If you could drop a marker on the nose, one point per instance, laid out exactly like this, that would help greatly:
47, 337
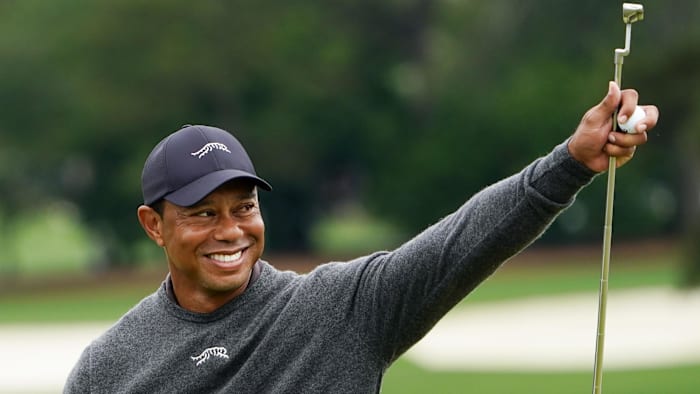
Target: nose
228, 229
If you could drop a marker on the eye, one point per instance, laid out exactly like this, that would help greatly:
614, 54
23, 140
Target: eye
247, 209
204, 213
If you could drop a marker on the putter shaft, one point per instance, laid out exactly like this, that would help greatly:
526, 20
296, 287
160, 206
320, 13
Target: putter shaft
605, 272
630, 13
607, 232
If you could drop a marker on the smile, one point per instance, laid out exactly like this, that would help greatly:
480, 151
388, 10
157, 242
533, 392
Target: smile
226, 258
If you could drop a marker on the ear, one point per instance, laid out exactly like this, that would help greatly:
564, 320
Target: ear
152, 224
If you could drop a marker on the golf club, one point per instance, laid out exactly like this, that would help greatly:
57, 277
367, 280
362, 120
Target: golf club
631, 13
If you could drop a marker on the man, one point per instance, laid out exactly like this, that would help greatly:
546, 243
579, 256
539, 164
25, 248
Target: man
226, 321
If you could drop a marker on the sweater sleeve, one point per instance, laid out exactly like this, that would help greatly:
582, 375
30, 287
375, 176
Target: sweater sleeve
79, 379
408, 290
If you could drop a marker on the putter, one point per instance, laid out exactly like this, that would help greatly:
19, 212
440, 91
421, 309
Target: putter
631, 13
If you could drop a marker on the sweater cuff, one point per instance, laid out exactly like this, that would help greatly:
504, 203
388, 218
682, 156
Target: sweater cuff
561, 176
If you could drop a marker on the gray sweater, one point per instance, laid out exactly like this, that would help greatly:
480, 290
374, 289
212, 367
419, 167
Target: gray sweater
338, 328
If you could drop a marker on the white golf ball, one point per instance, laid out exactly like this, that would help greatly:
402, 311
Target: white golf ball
631, 123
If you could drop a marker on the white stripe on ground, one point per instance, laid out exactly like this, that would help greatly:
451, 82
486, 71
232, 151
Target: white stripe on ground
646, 328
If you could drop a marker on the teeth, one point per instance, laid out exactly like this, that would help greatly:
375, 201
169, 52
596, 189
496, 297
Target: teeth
226, 258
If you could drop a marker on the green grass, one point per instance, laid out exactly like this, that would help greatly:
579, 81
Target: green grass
106, 302
406, 378
521, 277
69, 306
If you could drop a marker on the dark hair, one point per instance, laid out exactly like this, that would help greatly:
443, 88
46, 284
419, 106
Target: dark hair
158, 206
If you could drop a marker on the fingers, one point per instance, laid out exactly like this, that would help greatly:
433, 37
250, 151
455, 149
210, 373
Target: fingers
623, 155
650, 120
624, 102
594, 141
628, 103
618, 151
619, 142
623, 145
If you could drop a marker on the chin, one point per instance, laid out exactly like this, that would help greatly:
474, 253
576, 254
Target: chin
230, 284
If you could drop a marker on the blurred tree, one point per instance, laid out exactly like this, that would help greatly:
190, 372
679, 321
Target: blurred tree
500, 91
672, 78
405, 107
681, 98
95, 86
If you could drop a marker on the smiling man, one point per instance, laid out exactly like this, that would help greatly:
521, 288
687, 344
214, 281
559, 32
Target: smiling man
201, 206
226, 321
211, 246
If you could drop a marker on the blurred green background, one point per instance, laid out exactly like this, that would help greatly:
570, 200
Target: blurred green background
371, 119
375, 115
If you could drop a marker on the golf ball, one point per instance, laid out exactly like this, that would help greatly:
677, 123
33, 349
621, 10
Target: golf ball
631, 123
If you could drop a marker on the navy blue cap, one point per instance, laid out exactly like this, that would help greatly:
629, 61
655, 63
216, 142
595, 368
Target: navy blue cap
190, 163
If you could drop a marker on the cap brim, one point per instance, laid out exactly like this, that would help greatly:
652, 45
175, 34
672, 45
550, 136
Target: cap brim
193, 192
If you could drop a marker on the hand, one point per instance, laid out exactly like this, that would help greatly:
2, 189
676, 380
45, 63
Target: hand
594, 141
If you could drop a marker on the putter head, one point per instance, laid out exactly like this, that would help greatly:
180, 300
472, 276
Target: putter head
632, 12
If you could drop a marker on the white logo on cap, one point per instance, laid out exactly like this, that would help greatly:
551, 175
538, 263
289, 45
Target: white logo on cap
210, 147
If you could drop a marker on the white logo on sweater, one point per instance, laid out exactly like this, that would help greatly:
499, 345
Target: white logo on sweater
210, 147
216, 351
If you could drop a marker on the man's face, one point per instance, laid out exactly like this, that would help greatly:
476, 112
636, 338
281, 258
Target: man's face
212, 246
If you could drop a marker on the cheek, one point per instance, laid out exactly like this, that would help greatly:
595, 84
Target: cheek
184, 238
256, 229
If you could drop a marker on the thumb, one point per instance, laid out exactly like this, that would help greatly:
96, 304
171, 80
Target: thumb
611, 100
603, 112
